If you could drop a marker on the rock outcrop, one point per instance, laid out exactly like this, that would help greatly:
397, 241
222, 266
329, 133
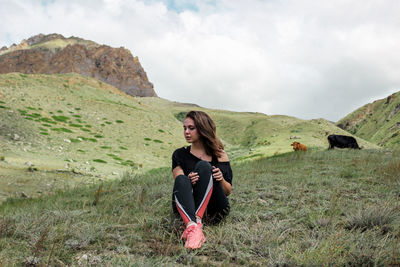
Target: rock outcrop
53, 53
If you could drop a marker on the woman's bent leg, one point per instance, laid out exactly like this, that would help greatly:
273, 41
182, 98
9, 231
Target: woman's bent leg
203, 188
192, 200
218, 207
185, 205
183, 198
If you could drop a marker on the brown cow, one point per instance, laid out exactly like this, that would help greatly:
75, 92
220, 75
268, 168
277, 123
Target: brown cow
297, 146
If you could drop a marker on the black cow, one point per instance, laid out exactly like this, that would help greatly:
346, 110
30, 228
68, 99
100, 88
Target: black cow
342, 141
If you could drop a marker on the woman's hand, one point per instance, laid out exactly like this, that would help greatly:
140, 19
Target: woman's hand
193, 177
217, 174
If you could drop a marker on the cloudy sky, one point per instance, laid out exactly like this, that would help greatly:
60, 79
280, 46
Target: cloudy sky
303, 58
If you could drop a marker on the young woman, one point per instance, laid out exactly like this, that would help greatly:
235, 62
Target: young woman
203, 177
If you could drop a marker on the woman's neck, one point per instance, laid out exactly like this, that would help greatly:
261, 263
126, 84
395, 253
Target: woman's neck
199, 151
198, 146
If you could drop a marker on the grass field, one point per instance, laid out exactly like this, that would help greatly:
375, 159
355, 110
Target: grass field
319, 208
84, 180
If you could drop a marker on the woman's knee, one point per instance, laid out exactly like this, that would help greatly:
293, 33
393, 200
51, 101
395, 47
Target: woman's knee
182, 181
203, 165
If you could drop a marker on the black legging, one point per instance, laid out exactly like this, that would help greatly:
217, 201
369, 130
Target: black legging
207, 194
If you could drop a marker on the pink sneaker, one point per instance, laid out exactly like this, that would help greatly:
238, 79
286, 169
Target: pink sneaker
187, 230
194, 236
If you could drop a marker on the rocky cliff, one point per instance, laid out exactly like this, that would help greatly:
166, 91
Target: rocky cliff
53, 53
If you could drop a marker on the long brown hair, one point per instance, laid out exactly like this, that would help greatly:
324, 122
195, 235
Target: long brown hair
207, 131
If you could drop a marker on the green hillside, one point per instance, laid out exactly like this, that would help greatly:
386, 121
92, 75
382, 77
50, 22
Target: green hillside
69, 128
378, 122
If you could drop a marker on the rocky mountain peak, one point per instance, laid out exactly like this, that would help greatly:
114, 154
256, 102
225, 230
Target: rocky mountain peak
53, 53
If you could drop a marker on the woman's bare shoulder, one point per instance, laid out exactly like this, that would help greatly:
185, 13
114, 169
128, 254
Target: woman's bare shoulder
223, 157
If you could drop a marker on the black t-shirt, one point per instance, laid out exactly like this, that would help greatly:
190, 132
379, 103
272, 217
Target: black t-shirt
187, 161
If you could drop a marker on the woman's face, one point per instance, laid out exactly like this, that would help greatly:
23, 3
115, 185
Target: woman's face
189, 131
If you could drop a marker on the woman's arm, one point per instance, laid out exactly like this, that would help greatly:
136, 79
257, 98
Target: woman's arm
177, 171
218, 175
227, 187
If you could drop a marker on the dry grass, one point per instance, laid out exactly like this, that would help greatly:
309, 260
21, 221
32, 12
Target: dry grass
289, 210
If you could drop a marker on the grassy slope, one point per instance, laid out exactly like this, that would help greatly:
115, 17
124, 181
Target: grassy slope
101, 124
377, 122
319, 208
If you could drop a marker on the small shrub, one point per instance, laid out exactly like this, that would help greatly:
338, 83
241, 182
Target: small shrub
99, 161
81, 150
99, 136
22, 112
108, 122
75, 125
105, 147
129, 163
65, 130
48, 121
157, 141
85, 130
35, 115
31, 108
60, 118
32, 169
161, 130
59, 111
2, 158
44, 133
73, 140
180, 116
115, 157
123, 148
88, 126
77, 116
77, 108
147, 139
368, 218
3, 107
119, 121
92, 140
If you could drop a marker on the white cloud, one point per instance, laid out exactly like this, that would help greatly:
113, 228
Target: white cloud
304, 58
